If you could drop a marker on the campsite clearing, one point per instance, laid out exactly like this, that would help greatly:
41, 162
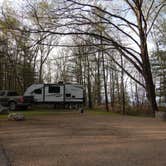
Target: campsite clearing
72, 139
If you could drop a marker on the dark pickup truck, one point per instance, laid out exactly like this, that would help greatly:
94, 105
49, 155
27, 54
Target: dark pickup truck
13, 100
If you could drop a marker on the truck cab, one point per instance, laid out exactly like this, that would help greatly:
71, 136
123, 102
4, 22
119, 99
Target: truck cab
13, 100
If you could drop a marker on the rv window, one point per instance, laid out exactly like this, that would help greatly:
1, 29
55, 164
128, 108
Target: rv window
68, 95
54, 89
38, 91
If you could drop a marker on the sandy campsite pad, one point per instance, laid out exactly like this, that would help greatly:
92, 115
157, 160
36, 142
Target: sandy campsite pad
71, 139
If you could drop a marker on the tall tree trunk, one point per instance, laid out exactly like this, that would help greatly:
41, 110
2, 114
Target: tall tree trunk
112, 89
122, 87
90, 105
147, 74
98, 80
1, 73
40, 73
104, 76
136, 95
150, 88
118, 98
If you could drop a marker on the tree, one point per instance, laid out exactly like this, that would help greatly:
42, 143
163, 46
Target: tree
125, 30
38, 12
158, 58
142, 25
17, 58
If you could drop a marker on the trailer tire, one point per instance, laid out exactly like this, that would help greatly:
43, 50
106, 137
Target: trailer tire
12, 106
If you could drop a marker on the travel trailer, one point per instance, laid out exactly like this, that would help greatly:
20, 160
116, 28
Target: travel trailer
61, 93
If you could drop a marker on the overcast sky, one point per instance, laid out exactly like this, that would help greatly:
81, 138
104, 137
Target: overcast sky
17, 4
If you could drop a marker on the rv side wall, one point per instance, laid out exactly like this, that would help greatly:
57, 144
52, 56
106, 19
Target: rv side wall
56, 93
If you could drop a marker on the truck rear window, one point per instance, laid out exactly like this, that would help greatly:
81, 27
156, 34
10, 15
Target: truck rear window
2, 93
12, 94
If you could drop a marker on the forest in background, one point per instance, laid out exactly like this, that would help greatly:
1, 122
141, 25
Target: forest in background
115, 50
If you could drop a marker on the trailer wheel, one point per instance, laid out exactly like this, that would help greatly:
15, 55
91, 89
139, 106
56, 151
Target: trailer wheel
12, 106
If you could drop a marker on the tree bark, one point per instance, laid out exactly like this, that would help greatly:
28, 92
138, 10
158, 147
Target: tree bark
147, 74
98, 80
104, 78
90, 105
122, 88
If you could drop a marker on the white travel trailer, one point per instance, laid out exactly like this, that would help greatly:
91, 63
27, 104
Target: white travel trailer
66, 94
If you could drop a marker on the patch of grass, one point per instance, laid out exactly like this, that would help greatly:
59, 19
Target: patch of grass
43, 112
47, 111
139, 113
163, 109
98, 111
36, 112
3, 116
130, 111
95, 111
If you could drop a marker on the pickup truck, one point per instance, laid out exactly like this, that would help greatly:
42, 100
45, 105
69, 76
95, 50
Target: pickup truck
12, 100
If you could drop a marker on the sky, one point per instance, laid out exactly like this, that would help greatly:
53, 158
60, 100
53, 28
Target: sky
18, 3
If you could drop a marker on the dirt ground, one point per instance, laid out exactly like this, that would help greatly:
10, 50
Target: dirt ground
71, 139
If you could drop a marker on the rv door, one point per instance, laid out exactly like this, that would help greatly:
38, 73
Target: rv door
38, 95
54, 93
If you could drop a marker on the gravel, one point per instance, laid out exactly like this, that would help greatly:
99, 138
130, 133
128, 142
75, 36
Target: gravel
86, 140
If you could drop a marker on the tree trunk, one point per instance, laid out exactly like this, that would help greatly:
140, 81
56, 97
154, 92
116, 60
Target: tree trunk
149, 85
104, 77
150, 88
98, 80
146, 68
112, 89
40, 72
90, 105
122, 87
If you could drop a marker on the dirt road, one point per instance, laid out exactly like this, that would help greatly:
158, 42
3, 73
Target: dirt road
71, 139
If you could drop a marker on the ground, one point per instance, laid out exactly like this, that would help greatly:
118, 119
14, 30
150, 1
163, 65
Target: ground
72, 139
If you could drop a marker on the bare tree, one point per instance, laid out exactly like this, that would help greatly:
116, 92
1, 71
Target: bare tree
141, 27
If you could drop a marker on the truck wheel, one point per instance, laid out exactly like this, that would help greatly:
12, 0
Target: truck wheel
12, 106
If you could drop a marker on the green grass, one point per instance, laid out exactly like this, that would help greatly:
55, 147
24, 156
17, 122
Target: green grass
51, 111
3, 116
31, 113
41, 112
100, 112
163, 109
47, 111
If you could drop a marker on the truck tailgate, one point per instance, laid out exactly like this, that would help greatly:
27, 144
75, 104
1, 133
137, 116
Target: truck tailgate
28, 99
